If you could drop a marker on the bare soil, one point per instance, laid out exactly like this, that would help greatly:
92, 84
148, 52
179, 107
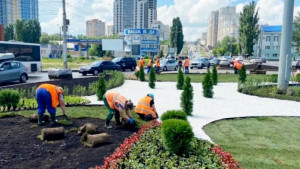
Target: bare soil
20, 147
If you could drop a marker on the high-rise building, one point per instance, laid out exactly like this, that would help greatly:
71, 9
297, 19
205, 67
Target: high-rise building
134, 14
204, 38
12, 10
212, 33
164, 30
95, 28
228, 23
110, 30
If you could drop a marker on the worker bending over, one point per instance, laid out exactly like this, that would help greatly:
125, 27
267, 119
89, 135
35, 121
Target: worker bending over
48, 95
117, 105
146, 108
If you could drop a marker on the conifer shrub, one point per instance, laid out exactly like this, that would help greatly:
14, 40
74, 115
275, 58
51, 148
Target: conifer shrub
174, 114
101, 88
180, 80
187, 97
214, 75
152, 78
142, 74
9, 98
242, 74
177, 136
207, 85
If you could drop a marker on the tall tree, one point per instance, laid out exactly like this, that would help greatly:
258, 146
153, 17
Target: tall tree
249, 28
296, 29
9, 32
19, 30
176, 35
29, 31
44, 39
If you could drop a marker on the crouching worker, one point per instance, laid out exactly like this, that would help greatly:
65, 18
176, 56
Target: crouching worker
146, 108
117, 105
48, 95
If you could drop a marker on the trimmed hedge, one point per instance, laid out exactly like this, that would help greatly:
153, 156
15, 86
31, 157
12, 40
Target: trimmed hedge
177, 136
9, 98
174, 114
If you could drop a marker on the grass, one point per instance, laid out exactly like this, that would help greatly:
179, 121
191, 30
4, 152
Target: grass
202, 53
99, 112
58, 63
263, 142
200, 77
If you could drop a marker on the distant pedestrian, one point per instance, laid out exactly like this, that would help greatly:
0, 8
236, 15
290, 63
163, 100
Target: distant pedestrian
150, 63
186, 65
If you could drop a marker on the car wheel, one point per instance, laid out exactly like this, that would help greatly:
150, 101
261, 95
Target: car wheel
191, 67
208, 66
165, 68
23, 78
132, 68
96, 72
83, 74
175, 68
201, 67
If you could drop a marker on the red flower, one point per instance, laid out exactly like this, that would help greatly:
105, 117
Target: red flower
226, 157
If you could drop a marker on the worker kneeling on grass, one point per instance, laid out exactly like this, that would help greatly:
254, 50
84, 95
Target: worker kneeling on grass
117, 105
146, 108
48, 95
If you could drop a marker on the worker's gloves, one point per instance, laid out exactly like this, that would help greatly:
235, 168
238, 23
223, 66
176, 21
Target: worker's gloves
131, 121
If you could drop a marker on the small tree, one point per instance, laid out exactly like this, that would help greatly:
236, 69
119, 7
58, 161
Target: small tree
214, 75
152, 79
207, 85
242, 75
142, 74
101, 87
180, 80
187, 97
161, 54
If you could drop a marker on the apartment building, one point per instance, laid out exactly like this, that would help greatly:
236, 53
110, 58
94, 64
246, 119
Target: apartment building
95, 28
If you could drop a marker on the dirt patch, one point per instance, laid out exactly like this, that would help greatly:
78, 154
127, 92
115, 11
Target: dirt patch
20, 147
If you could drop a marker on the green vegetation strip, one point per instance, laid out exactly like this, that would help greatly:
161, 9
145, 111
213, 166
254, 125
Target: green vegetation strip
200, 77
149, 152
262, 142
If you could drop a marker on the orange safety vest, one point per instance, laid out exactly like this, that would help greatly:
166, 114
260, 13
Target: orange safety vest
141, 63
186, 63
239, 65
113, 99
150, 63
52, 89
157, 63
143, 107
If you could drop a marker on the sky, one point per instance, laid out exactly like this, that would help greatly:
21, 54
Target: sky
194, 14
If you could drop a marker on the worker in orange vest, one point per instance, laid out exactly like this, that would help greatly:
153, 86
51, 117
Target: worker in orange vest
141, 62
237, 65
48, 95
186, 65
157, 65
117, 105
150, 63
146, 108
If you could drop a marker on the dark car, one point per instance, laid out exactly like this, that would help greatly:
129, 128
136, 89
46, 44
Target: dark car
99, 66
12, 71
125, 63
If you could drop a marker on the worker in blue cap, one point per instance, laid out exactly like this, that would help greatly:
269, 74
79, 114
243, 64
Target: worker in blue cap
146, 108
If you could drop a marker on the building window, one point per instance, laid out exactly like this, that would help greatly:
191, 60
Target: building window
268, 38
266, 55
267, 47
275, 47
275, 55
276, 38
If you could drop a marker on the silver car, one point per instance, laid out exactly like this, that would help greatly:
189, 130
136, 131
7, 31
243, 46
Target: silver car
13, 70
200, 63
170, 64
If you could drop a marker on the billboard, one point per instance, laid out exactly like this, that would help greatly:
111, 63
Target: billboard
112, 44
141, 32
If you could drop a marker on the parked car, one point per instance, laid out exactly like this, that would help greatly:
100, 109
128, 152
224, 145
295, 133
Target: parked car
240, 58
258, 60
296, 64
125, 63
214, 61
225, 61
170, 64
200, 63
12, 71
99, 66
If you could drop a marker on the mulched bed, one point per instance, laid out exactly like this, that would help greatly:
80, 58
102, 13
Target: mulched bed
20, 147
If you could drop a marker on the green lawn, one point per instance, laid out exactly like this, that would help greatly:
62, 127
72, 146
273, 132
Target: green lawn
200, 77
58, 63
202, 53
76, 112
262, 143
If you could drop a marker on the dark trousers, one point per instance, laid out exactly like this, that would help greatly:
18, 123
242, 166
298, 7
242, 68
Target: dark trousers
145, 117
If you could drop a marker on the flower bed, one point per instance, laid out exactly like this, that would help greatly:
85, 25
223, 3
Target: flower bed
227, 159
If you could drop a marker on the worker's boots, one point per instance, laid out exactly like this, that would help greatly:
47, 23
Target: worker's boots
53, 120
117, 118
40, 119
107, 124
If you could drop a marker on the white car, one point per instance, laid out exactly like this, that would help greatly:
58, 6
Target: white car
225, 61
170, 64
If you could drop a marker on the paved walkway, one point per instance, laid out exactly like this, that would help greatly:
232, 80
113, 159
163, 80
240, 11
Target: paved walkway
227, 103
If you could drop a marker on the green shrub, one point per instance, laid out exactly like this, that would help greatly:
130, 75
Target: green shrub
92, 88
142, 74
274, 78
93, 58
180, 80
116, 80
242, 75
69, 56
177, 136
152, 78
214, 75
9, 98
101, 88
81, 57
298, 78
207, 85
79, 90
174, 114
66, 91
187, 97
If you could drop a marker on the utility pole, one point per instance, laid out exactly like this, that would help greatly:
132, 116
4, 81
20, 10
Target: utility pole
285, 59
65, 35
